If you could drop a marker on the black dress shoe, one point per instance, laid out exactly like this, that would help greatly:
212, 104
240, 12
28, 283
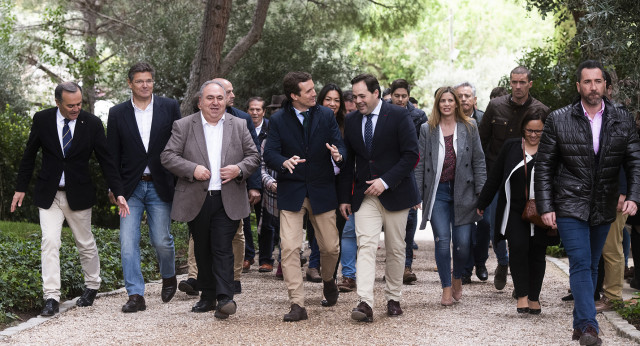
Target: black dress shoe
465, 279
523, 310
567, 298
237, 287
225, 308
297, 313
135, 304
535, 311
51, 307
87, 297
482, 273
169, 287
500, 277
203, 306
330, 291
393, 308
362, 313
189, 287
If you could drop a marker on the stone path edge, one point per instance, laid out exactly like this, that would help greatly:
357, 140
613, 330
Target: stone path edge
623, 327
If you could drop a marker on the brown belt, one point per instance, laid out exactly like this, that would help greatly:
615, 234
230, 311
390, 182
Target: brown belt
146, 177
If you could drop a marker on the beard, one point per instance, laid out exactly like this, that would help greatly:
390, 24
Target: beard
593, 99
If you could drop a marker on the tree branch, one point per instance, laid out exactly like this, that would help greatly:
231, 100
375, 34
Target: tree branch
253, 36
32, 61
61, 49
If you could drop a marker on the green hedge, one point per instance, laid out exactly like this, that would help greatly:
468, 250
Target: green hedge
20, 267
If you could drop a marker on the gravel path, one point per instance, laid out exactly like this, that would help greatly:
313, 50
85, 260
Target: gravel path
485, 316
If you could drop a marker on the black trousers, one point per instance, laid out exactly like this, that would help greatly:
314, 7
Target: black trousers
212, 232
526, 257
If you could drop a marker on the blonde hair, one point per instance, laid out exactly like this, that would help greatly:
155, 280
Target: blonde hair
435, 117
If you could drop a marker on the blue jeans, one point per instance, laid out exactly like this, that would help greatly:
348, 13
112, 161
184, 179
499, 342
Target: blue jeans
483, 234
349, 248
583, 244
412, 222
145, 198
444, 231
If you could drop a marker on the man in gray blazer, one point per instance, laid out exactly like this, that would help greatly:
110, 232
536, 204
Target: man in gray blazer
212, 154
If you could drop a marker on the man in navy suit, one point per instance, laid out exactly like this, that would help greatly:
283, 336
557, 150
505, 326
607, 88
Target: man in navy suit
381, 142
137, 132
303, 138
64, 190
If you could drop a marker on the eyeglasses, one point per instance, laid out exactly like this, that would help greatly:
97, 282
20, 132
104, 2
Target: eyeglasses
531, 132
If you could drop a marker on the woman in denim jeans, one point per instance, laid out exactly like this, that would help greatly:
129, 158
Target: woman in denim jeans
450, 176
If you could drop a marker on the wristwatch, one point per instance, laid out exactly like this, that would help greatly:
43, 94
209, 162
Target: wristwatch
240, 175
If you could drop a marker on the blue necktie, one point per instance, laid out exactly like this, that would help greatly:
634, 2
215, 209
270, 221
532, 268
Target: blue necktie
368, 133
66, 137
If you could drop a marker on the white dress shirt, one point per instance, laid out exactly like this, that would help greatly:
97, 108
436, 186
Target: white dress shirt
60, 125
213, 138
259, 128
144, 118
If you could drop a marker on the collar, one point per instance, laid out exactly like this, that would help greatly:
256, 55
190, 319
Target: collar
60, 118
206, 123
376, 110
584, 111
136, 107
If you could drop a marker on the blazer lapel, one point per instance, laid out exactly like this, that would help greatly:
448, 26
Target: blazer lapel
435, 146
380, 124
315, 119
358, 142
198, 134
462, 142
227, 131
132, 125
157, 122
79, 134
52, 124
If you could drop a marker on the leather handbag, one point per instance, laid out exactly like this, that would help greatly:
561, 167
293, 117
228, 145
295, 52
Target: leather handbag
530, 213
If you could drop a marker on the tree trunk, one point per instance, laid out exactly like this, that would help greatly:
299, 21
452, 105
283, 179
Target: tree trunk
89, 10
207, 63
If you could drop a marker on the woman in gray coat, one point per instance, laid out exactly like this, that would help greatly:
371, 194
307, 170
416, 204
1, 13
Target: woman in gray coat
450, 176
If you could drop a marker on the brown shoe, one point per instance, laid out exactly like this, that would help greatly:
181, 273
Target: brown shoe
362, 313
313, 275
135, 304
265, 268
590, 337
330, 291
169, 287
347, 285
408, 276
577, 333
297, 313
393, 308
605, 304
246, 265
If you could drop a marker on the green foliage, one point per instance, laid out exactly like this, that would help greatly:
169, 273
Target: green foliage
10, 82
556, 251
630, 310
20, 266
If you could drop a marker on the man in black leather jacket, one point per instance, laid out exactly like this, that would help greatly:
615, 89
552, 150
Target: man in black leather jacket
576, 183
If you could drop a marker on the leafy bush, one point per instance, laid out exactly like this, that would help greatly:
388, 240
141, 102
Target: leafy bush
556, 251
630, 310
20, 275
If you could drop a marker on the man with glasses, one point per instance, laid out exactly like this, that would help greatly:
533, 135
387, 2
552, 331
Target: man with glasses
501, 121
137, 132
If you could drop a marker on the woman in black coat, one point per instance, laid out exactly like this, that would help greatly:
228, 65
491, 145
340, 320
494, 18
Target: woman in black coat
527, 244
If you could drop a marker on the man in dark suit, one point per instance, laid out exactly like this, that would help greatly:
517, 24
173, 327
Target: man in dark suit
303, 138
381, 142
256, 109
68, 136
137, 132
212, 153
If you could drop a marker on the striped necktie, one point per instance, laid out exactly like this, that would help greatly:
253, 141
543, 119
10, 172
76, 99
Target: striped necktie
66, 137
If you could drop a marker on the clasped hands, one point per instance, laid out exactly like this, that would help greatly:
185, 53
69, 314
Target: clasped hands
227, 173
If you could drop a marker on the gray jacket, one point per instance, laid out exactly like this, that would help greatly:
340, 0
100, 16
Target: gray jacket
470, 171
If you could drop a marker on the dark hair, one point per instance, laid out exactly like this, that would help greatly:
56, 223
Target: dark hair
521, 70
256, 98
539, 115
370, 81
400, 84
342, 110
347, 95
291, 81
70, 87
497, 92
413, 100
588, 64
607, 79
140, 67
386, 92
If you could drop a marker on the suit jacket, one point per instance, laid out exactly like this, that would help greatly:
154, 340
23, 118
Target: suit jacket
393, 157
130, 156
470, 173
88, 138
254, 181
264, 130
315, 177
187, 148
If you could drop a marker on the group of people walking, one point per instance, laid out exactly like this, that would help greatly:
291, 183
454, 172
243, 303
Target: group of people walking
348, 165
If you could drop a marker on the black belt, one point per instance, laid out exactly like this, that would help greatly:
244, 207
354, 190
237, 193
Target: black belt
60, 188
214, 192
146, 177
